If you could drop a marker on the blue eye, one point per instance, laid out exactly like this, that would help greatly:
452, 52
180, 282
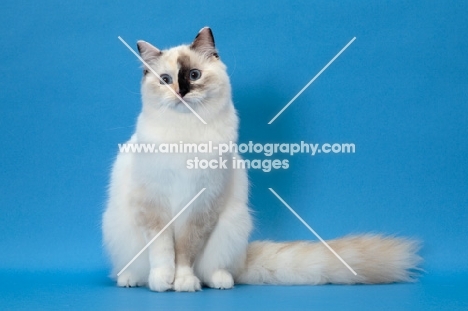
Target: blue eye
166, 78
195, 74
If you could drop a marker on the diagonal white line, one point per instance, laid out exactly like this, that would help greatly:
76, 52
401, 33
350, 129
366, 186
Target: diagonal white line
160, 232
154, 72
313, 231
311, 81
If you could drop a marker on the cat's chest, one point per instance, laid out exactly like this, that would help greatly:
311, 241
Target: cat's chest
178, 175
163, 168
176, 178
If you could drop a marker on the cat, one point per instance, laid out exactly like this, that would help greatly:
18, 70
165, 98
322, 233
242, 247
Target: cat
208, 244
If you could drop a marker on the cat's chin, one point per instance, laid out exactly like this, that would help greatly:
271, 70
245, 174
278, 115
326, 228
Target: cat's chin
181, 107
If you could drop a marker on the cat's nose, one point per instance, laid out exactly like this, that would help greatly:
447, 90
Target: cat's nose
177, 90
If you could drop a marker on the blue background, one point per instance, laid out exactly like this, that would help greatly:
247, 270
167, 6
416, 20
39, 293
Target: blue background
70, 94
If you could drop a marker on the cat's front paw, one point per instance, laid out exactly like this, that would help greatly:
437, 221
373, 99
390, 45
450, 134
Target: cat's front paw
186, 282
161, 279
221, 279
128, 279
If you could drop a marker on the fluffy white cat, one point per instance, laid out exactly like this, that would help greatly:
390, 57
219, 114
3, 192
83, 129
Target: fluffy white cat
208, 244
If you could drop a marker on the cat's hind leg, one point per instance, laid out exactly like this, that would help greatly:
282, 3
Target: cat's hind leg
122, 237
123, 241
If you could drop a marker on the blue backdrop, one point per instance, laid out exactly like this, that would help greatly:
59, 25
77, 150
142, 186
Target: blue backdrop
70, 94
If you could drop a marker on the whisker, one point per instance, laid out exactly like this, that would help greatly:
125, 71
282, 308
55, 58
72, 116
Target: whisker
119, 127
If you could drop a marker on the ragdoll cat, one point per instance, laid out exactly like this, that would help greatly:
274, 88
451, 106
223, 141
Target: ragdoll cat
208, 244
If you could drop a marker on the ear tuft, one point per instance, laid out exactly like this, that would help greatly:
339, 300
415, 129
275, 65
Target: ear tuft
204, 43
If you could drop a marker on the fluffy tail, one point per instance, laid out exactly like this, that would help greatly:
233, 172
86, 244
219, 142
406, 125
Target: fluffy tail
374, 258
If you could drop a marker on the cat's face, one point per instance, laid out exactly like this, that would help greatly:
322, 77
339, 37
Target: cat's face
194, 72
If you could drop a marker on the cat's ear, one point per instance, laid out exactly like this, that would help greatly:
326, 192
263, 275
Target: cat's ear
147, 51
204, 43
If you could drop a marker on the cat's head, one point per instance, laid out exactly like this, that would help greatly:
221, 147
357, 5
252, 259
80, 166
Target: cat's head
194, 72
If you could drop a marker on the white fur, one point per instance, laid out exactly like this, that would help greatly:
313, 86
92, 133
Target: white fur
140, 181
